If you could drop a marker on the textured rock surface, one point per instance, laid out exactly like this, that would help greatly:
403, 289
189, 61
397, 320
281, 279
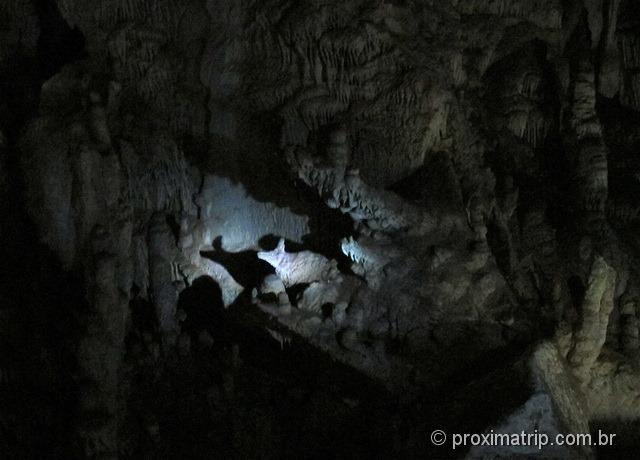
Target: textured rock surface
456, 182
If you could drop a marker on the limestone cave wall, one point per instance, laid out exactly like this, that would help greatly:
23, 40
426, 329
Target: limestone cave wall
317, 229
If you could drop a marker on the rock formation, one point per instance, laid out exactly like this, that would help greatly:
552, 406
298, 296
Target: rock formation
455, 183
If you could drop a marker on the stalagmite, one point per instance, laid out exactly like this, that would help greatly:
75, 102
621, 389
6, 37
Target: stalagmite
455, 181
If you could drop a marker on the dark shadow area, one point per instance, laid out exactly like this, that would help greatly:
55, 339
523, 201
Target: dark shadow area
41, 304
23, 73
294, 292
270, 242
143, 316
498, 385
433, 185
621, 130
625, 442
41, 315
497, 238
243, 266
58, 44
248, 397
202, 302
577, 291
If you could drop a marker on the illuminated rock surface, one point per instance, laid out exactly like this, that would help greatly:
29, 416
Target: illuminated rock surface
275, 229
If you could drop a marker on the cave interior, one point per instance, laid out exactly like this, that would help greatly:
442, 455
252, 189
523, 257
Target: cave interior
318, 229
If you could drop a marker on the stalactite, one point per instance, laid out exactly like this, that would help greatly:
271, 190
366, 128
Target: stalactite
589, 149
452, 264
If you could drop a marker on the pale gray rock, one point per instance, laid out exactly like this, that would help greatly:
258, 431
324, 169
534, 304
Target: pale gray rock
299, 267
229, 212
272, 285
